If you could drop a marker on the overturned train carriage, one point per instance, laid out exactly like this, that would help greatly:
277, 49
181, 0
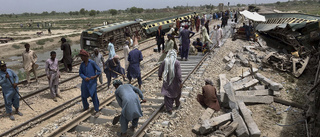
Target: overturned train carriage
300, 34
150, 28
98, 37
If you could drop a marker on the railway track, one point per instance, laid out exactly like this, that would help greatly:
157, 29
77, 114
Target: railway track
65, 77
108, 100
110, 108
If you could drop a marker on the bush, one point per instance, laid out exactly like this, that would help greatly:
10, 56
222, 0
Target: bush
21, 75
43, 41
16, 46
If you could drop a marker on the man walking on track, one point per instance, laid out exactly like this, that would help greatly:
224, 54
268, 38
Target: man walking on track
29, 59
89, 71
134, 58
185, 39
67, 55
97, 57
170, 71
53, 75
8, 82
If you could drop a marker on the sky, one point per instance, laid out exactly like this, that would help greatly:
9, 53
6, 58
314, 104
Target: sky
38, 6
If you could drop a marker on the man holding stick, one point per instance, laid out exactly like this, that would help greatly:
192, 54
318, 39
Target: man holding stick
9, 81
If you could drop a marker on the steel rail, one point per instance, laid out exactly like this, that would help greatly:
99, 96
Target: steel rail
155, 113
66, 80
78, 62
48, 114
72, 123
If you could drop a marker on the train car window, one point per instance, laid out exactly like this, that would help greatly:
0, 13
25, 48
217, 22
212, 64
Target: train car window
163, 22
149, 26
153, 25
168, 21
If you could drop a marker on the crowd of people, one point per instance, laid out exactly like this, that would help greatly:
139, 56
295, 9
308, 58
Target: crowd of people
94, 64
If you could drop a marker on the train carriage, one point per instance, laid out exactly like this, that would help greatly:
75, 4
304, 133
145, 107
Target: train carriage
151, 27
97, 37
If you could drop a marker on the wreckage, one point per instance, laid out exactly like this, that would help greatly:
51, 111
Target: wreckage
300, 34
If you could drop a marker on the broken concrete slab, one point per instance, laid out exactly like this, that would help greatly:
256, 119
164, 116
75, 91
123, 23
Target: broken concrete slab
232, 103
231, 55
252, 126
235, 79
227, 131
271, 84
209, 124
243, 60
222, 92
230, 64
242, 130
263, 92
226, 59
259, 87
246, 85
255, 99
249, 49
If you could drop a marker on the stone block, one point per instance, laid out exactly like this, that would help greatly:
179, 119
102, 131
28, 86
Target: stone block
242, 130
249, 49
245, 84
271, 84
263, 92
165, 123
243, 60
226, 59
255, 99
222, 92
230, 55
232, 103
154, 134
235, 79
209, 124
185, 94
188, 89
259, 87
107, 112
252, 126
230, 64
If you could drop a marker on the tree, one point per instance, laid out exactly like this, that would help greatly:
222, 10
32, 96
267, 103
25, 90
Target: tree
71, 13
82, 11
98, 12
278, 2
238, 5
92, 13
53, 13
113, 12
133, 9
45, 13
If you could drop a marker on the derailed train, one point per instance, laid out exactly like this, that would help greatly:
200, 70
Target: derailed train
98, 37
300, 32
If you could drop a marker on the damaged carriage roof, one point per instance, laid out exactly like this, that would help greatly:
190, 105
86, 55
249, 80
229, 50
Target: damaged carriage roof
281, 20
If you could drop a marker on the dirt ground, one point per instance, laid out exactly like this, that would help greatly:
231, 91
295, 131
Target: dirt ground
16, 47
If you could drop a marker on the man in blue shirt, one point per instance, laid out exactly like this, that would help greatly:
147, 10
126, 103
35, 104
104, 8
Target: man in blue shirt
129, 102
9, 91
89, 71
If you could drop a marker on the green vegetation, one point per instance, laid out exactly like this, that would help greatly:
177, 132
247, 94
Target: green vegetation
75, 52
16, 46
21, 75
43, 41
37, 48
